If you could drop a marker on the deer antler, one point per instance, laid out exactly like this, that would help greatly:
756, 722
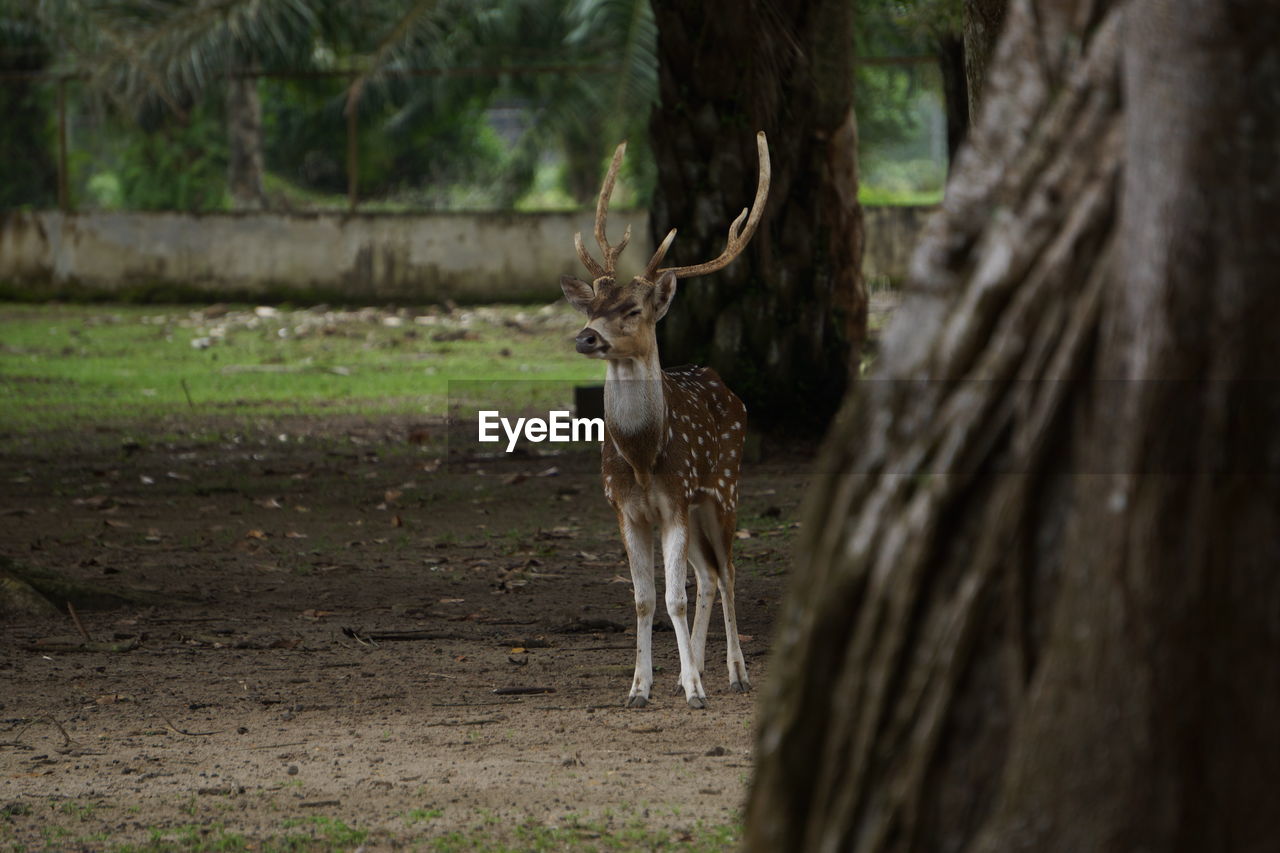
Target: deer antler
611, 253
739, 234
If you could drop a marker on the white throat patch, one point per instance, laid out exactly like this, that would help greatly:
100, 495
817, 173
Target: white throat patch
633, 400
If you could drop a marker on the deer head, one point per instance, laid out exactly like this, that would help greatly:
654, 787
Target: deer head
622, 317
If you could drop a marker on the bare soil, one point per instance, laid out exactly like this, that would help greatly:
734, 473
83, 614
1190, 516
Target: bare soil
260, 696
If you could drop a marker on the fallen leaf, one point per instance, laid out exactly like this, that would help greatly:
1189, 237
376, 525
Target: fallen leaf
255, 534
293, 534
451, 601
316, 614
743, 534
270, 503
111, 522
515, 479
392, 495
396, 521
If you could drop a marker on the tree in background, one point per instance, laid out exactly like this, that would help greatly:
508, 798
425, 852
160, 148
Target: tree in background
785, 324
27, 171
1035, 602
424, 74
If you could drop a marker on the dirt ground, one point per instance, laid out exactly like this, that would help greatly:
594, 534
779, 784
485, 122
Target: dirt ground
260, 707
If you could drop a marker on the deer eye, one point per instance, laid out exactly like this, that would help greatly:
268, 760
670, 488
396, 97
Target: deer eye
635, 312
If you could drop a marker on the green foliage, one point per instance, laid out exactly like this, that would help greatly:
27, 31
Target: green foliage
901, 130
148, 130
172, 164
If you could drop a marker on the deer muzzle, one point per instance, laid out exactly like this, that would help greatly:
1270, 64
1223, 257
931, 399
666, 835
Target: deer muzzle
589, 341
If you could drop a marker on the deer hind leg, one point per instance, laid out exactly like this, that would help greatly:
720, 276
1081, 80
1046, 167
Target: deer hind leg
723, 539
704, 529
675, 556
637, 537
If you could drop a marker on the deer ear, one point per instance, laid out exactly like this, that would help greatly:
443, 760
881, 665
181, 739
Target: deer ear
663, 292
578, 292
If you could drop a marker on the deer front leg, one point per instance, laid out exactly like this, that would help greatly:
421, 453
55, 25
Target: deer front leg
675, 543
637, 537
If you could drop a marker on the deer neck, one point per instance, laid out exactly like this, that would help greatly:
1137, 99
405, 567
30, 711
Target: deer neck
635, 409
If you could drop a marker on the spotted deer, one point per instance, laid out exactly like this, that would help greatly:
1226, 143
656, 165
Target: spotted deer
672, 445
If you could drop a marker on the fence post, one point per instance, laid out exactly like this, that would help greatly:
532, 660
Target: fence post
353, 147
64, 193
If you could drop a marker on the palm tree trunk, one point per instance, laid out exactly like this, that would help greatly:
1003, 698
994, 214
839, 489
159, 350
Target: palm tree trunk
245, 169
785, 323
1035, 604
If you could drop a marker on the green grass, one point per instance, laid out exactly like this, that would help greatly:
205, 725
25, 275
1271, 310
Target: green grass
314, 833
317, 833
880, 196
585, 836
75, 365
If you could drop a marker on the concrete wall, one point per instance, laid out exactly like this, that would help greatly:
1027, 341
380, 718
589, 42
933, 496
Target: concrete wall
331, 256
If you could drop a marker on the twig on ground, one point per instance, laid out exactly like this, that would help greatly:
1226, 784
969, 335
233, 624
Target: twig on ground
184, 731
522, 691
272, 746
75, 617
480, 722
17, 739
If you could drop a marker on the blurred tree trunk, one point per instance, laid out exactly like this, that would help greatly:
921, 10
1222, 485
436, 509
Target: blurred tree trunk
955, 91
28, 171
784, 324
983, 20
245, 169
1035, 603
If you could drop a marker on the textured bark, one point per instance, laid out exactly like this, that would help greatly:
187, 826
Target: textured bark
982, 22
785, 323
245, 168
1034, 608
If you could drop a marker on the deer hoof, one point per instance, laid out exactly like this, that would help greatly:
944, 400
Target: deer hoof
740, 686
677, 689
697, 703
637, 701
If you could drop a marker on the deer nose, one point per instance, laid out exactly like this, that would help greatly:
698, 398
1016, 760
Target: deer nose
589, 341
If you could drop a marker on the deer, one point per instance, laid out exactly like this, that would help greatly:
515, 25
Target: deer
672, 444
